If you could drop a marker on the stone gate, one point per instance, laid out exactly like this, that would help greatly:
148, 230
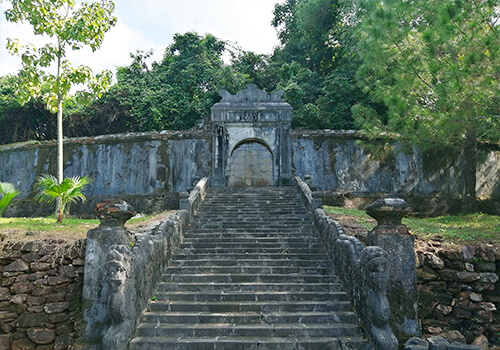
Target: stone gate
251, 139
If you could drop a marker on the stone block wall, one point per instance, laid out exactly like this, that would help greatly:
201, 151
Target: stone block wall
350, 172
459, 291
40, 294
150, 168
143, 168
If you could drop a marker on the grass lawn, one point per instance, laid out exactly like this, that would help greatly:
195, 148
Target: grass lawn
27, 229
474, 228
479, 228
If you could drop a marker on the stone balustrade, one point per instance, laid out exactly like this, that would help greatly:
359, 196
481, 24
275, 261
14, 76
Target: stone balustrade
362, 270
123, 268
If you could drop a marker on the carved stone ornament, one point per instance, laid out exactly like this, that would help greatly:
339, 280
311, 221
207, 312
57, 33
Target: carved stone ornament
114, 212
374, 267
388, 211
252, 94
120, 298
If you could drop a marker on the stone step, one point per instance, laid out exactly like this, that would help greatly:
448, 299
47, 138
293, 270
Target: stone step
249, 343
257, 217
249, 306
247, 278
282, 230
230, 199
254, 296
250, 287
251, 262
262, 223
240, 192
249, 227
244, 206
247, 330
314, 317
218, 234
290, 211
250, 275
252, 270
256, 250
250, 244
201, 234
276, 192
244, 241
190, 254
253, 202
296, 215
245, 219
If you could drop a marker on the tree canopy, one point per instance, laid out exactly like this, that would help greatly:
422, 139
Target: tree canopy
318, 61
436, 67
70, 25
394, 65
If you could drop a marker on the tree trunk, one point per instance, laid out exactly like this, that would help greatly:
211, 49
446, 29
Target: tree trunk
469, 203
60, 154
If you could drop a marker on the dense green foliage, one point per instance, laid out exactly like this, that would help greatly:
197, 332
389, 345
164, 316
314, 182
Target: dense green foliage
70, 190
315, 64
31, 121
175, 93
416, 61
69, 25
436, 66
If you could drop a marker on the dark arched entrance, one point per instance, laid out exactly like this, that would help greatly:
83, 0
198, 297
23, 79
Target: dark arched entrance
251, 165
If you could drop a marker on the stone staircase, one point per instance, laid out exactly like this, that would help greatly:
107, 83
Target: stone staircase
250, 275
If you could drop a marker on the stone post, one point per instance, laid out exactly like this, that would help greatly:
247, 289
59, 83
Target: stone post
184, 202
395, 238
317, 202
113, 214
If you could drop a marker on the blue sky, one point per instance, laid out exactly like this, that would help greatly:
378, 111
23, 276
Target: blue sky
151, 24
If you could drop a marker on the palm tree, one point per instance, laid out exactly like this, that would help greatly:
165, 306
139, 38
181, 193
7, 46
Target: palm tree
7, 192
70, 190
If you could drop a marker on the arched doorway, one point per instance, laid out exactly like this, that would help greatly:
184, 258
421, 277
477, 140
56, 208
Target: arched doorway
251, 165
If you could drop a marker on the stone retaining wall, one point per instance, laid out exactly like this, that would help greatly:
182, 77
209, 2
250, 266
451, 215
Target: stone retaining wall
150, 168
40, 294
459, 291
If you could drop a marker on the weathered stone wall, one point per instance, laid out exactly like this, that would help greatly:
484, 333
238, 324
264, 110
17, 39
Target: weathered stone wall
40, 294
459, 291
146, 169
151, 168
337, 162
350, 174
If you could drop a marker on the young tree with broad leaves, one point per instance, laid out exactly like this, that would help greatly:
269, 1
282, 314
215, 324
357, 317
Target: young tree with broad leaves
7, 193
70, 25
436, 67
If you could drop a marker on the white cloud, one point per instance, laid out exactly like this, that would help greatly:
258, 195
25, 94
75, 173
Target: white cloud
115, 50
151, 24
247, 22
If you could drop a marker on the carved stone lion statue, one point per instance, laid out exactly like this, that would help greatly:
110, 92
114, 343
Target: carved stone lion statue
120, 298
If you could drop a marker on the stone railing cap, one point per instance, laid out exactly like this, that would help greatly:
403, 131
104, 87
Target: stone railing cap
388, 210
114, 212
